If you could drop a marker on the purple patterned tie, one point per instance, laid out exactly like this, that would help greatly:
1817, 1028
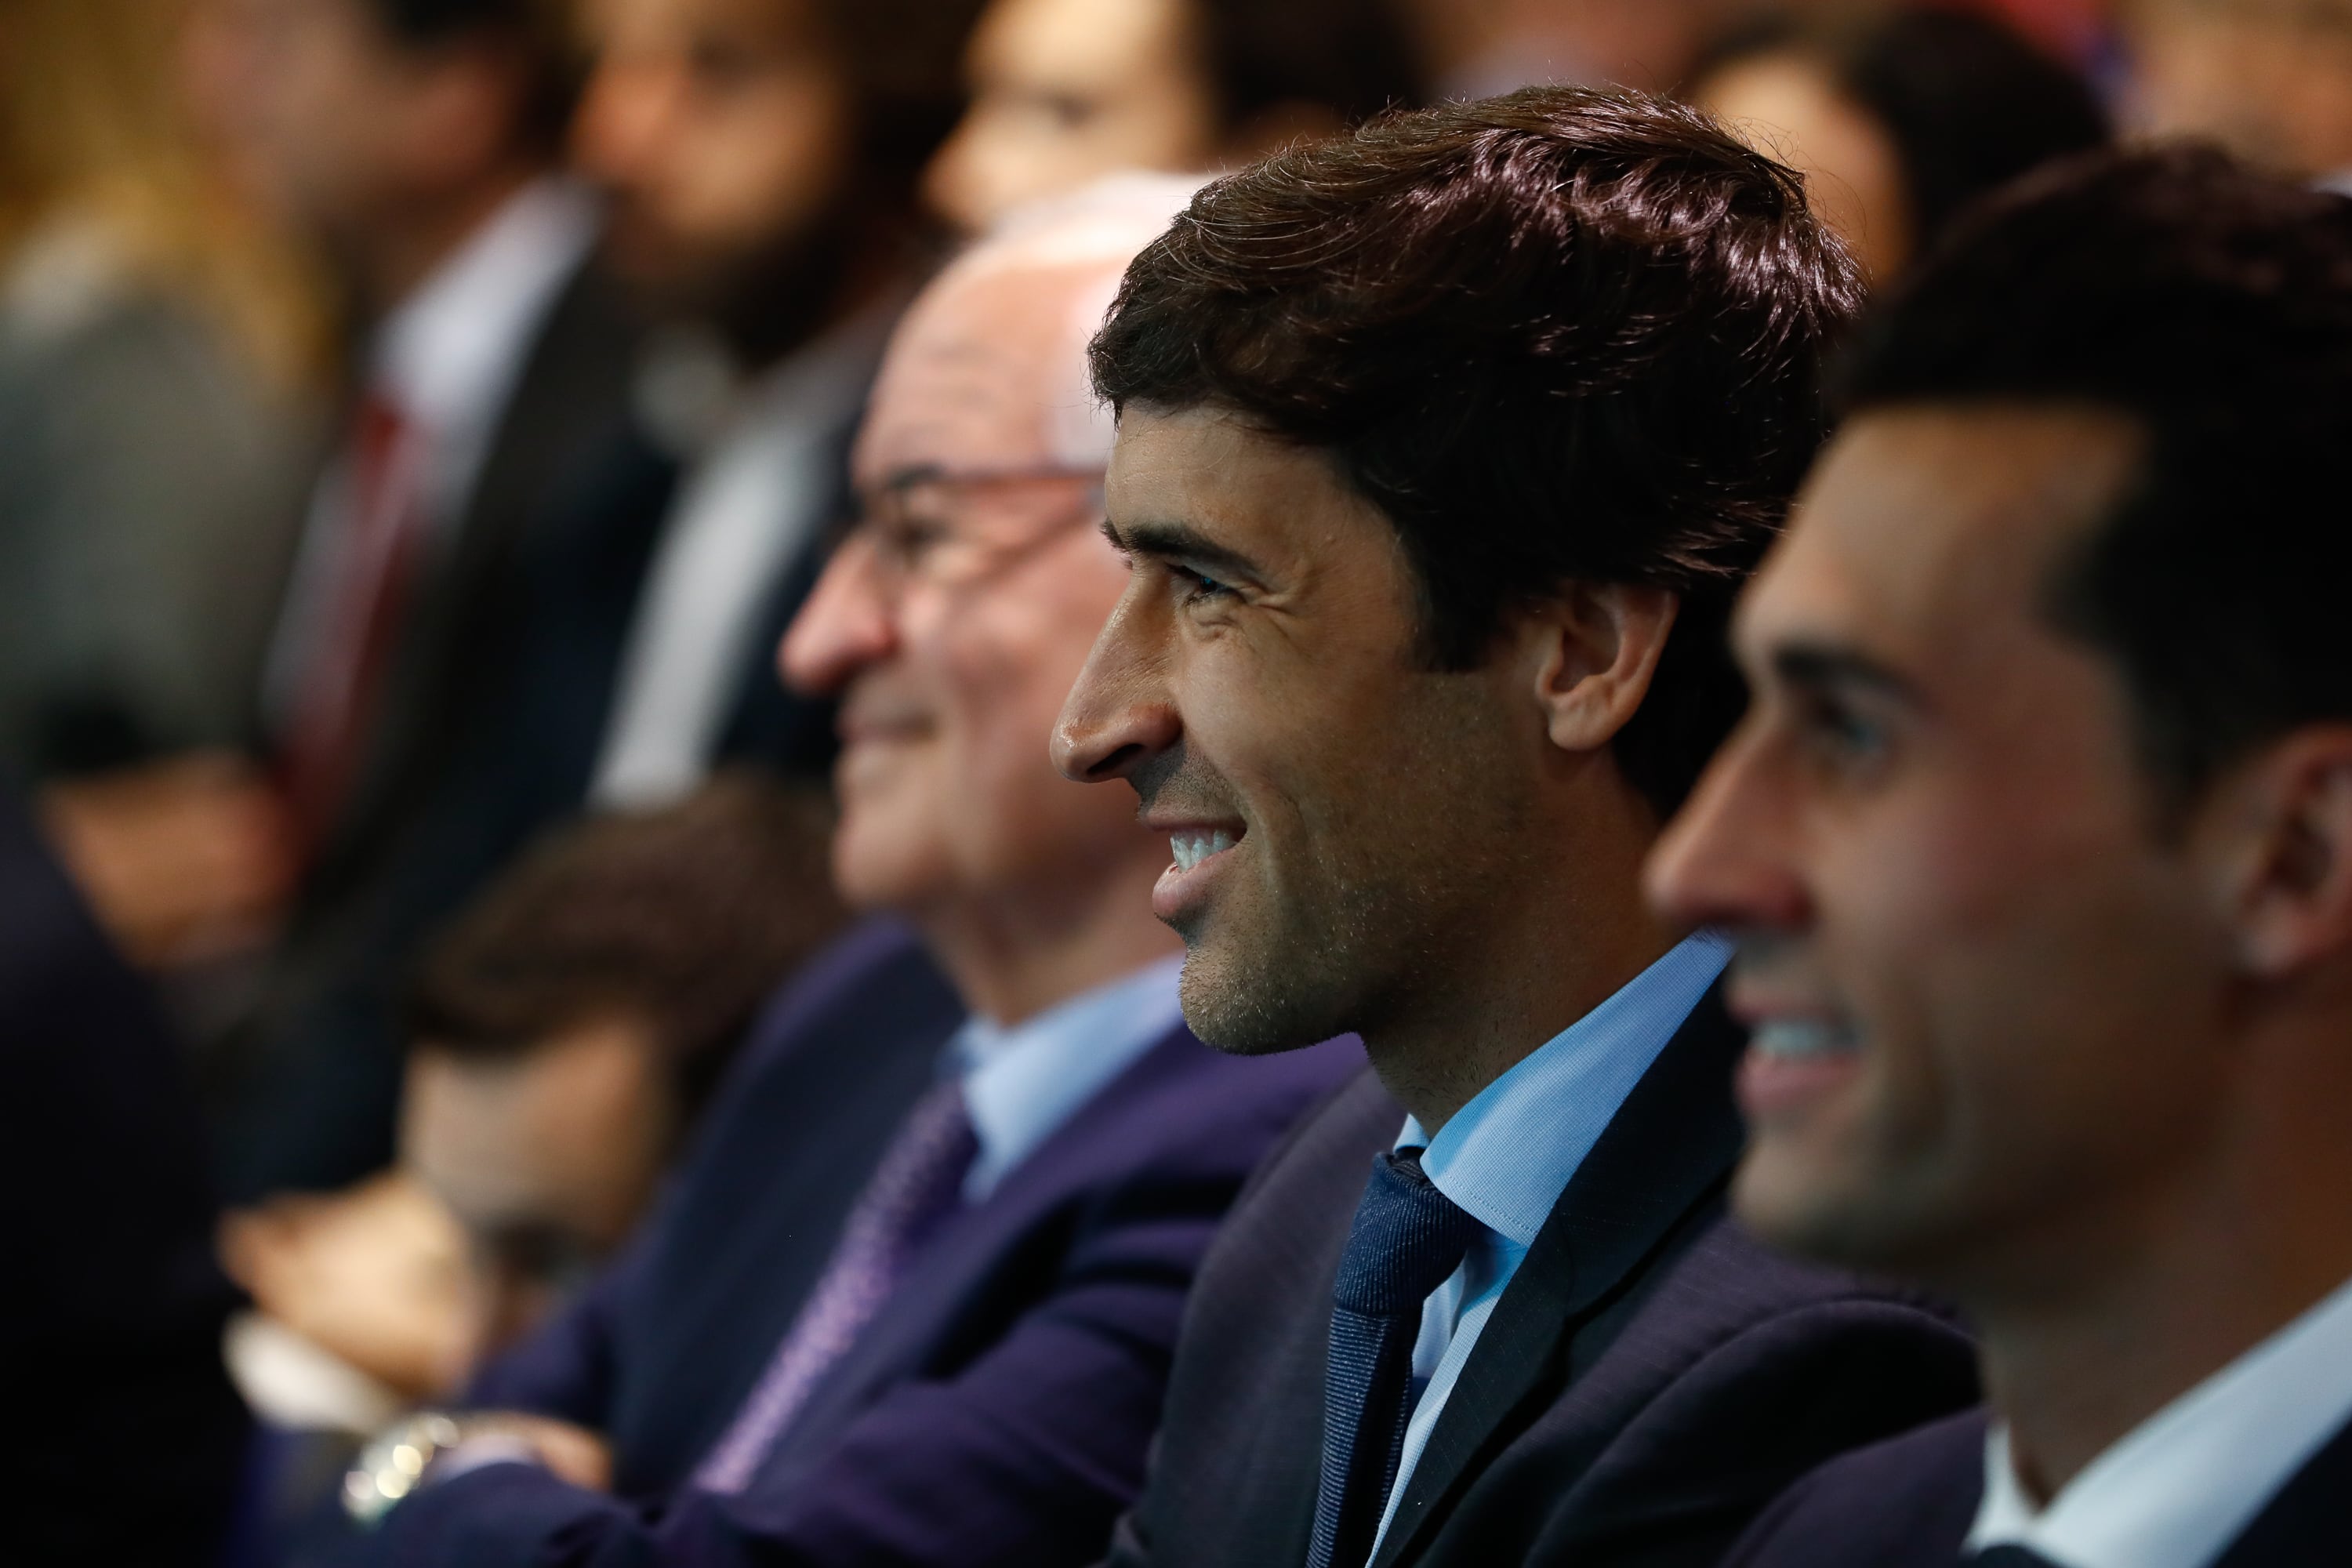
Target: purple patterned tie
919, 1182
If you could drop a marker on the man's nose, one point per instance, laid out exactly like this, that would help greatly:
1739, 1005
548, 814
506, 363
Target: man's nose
844, 625
1119, 715
1722, 861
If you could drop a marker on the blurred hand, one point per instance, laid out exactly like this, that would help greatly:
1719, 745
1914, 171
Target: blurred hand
379, 1276
183, 860
572, 1454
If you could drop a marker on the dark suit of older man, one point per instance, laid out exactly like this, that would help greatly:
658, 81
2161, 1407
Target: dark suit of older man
995, 1411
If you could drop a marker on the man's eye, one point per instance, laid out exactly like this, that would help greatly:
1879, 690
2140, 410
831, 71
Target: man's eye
1843, 736
1198, 586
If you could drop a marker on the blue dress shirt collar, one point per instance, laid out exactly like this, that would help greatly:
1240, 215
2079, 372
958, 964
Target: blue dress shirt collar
1022, 1082
1508, 1154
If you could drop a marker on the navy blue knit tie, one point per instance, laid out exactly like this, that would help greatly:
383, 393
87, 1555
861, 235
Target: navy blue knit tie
1409, 1237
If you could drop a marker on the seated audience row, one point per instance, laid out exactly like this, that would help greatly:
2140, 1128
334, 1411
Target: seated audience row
2040, 904
1661, 1068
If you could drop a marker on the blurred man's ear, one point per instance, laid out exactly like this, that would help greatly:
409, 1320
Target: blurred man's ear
2279, 831
1595, 649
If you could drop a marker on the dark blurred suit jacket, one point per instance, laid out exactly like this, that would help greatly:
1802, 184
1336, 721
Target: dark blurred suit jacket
499, 702
1909, 1503
123, 1442
464, 762
1650, 1379
996, 1413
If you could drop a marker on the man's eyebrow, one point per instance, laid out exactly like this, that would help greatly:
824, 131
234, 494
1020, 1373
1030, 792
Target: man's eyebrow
1180, 543
1816, 665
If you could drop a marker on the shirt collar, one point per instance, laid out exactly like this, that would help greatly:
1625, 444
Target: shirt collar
1508, 1154
1022, 1082
447, 356
2180, 1486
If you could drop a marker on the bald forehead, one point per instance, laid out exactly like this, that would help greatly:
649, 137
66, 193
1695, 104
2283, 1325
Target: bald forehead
1928, 530
988, 370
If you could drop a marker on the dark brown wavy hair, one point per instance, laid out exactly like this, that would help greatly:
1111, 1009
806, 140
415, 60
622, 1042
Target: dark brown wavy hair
1563, 335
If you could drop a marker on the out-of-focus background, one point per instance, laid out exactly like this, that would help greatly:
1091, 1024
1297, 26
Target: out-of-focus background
418, 420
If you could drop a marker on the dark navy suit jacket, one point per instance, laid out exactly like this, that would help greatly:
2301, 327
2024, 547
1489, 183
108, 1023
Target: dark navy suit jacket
123, 1442
1908, 1503
1650, 1380
996, 1412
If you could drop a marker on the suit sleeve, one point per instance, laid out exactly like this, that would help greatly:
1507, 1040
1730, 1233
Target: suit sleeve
1022, 1456
1752, 1418
566, 1367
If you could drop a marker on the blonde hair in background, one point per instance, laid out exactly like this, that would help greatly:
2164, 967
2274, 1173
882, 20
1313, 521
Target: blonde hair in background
96, 132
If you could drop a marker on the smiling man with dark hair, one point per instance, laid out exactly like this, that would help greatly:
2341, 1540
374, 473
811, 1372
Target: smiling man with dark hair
1442, 450
2039, 846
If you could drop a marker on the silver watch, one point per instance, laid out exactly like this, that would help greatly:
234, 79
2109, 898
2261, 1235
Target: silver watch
389, 1468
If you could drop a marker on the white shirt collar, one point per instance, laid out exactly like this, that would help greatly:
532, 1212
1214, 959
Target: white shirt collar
1022, 1082
2178, 1488
448, 356
1508, 1154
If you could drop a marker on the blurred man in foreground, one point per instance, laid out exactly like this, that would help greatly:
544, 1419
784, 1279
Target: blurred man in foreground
2038, 846
915, 1300
1442, 448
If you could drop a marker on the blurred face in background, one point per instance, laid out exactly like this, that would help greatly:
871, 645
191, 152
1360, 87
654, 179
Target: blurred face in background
350, 130
545, 1157
1787, 102
723, 131
1990, 990
953, 619
1067, 91
2269, 80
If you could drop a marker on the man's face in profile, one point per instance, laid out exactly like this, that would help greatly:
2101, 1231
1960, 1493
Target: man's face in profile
953, 618
1982, 975
1333, 808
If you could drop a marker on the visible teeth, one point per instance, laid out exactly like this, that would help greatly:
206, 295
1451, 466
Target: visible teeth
1190, 849
1793, 1038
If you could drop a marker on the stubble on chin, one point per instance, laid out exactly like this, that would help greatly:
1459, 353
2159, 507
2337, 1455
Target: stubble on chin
1260, 992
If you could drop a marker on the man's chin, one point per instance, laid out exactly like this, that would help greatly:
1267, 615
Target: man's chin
1240, 1009
1790, 1200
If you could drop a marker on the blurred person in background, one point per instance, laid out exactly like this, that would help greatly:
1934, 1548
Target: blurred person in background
1897, 122
913, 1300
1477, 48
127, 1442
1066, 91
760, 159
155, 340
567, 1030
2269, 80
418, 142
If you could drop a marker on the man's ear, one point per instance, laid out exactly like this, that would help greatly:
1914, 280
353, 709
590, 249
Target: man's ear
1596, 647
2286, 825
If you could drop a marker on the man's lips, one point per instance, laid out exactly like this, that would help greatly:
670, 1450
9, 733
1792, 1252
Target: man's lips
1198, 851
1794, 1062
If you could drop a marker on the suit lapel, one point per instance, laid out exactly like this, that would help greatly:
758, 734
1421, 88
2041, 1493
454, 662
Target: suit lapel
1667, 1153
2309, 1523
952, 1275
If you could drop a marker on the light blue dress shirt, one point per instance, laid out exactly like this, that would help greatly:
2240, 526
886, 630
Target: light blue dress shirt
1022, 1082
1508, 1154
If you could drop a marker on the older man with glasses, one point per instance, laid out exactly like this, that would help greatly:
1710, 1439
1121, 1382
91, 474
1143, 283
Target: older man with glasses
916, 1297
